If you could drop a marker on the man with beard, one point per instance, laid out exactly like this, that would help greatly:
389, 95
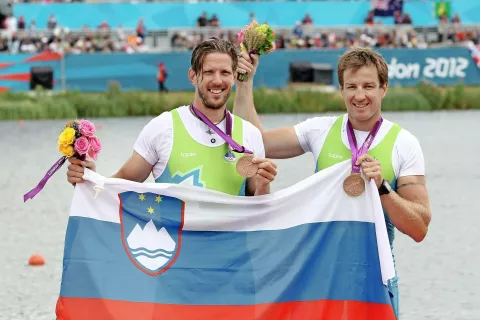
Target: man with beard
193, 144
379, 149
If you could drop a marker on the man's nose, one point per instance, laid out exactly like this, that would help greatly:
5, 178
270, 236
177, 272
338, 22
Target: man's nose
217, 78
359, 94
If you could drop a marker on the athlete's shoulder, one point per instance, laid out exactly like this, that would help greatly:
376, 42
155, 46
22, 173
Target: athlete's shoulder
166, 116
159, 124
406, 141
319, 123
249, 128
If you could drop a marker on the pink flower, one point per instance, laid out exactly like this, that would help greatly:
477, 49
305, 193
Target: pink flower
95, 147
82, 145
241, 35
86, 128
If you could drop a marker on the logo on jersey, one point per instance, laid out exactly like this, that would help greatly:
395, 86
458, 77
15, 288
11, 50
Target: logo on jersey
334, 156
188, 154
229, 156
190, 178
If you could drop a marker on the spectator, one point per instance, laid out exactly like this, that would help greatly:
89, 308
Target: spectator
252, 17
202, 20
52, 22
370, 18
11, 24
33, 25
298, 30
456, 19
214, 22
407, 19
307, 20
397, 17
162, 77
21, 23
141, 29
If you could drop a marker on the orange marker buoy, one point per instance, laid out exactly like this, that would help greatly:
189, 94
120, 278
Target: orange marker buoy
99, 126
20, 123
36, 260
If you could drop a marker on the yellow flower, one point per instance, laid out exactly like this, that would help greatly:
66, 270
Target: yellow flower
67, 136
242, 47
66, 149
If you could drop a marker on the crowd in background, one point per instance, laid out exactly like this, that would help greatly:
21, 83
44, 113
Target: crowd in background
20, 36
304, 35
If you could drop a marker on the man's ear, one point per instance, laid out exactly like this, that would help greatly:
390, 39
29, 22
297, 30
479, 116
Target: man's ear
384, 89
192, 76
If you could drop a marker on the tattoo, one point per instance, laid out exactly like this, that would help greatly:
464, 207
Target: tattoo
410, 184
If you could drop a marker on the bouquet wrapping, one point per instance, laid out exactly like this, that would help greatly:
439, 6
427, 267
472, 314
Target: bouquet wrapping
78, 140
256, 39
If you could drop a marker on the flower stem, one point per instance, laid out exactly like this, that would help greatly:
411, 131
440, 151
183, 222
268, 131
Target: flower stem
242, 77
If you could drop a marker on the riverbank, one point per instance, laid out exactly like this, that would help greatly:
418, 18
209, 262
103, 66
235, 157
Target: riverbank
114, 103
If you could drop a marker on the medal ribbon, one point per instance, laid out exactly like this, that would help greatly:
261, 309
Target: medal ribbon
356, 153
32, 193
228, 136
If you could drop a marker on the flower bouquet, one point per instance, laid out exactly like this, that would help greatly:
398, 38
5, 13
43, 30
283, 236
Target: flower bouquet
78, 140
256, 39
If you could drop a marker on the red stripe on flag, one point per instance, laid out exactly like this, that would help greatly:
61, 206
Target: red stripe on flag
44, 56
16, 76
5, 64
102, 309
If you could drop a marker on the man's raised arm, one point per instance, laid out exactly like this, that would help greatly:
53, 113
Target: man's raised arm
279, 143
243, 105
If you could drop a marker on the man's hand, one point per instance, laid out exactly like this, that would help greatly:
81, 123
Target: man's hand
266, 173
77, 168
247, 65
371, 168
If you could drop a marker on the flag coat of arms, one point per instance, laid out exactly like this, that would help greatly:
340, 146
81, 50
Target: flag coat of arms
149, 251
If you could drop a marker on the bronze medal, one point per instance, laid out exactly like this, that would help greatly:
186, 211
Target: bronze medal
354, 185
245, 167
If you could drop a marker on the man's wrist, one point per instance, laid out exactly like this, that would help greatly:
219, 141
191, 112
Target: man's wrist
260, 191
245, 84
385, 188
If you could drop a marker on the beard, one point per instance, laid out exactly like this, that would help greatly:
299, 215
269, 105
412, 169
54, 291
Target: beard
214, 105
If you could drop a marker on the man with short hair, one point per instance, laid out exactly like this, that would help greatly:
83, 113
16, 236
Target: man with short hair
380, 150
199, 144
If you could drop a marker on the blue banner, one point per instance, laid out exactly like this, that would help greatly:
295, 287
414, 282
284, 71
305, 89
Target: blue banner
93, 72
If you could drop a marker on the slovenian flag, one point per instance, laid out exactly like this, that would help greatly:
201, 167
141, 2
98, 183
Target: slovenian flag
143, 251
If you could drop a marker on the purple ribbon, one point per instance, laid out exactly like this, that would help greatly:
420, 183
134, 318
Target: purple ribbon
227, 137
356, 153
250, 53
32, 193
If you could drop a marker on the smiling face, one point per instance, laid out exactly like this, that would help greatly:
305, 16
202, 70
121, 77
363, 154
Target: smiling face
214, 81
363, 79
363, 96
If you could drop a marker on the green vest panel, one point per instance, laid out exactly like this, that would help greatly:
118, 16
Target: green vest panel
210, 167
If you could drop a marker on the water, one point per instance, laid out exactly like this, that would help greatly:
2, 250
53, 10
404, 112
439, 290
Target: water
437, 277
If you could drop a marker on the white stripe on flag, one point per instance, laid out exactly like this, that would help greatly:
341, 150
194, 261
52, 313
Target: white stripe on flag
319, 198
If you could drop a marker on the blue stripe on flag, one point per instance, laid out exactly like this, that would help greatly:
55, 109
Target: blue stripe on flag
329, 260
